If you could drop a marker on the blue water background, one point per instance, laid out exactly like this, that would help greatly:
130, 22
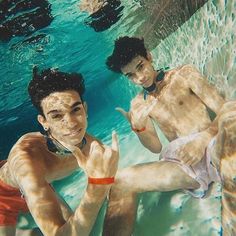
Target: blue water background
206, 40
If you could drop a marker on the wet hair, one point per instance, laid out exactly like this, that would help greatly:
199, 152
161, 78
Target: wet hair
50, 81
125, 50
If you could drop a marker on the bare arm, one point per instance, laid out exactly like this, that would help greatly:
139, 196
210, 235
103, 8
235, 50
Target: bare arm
149, 137
141, 123
45, 207
201, 87
29, 172
65, 208
226, 109
192, 152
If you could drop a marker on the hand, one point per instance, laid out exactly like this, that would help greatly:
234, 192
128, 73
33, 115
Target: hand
138, 117
192, 152
102, 161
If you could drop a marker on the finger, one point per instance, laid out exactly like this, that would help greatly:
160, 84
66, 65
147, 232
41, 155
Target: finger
80, 157
95, 148
189, 162
123, 112
108, 152
115, 144
143, 111
180, 155
185, 158
193, 163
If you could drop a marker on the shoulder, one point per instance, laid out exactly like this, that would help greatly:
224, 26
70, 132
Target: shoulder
189, 73
28, 147
26, 157
187, 69
29, 142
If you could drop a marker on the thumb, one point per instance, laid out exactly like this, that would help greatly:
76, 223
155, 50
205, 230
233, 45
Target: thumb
80, 157
123, 112
115, 144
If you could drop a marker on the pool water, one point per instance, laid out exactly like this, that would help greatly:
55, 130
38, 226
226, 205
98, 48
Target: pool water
206, 39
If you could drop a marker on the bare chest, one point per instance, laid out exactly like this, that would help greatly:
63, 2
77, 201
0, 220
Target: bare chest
179, 111
59, 167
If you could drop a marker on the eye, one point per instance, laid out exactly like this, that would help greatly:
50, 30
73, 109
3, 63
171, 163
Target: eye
57, 117
76, 109
130, 76
140, 67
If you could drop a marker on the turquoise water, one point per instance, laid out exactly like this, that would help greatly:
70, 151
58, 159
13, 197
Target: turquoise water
207, 40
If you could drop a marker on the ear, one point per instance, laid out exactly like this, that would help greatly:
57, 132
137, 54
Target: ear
85, 107
149, 56
43, 121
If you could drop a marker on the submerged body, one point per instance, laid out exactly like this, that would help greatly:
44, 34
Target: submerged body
224, 157
31, 166
22, 161
180, 103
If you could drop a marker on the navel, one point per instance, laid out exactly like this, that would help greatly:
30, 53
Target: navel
181, 103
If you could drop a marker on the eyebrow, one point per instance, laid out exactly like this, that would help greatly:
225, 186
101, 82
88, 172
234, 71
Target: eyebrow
76, 104
73, 106
129, 73
139, 64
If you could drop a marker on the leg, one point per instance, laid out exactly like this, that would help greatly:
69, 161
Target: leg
225, 153
29, 232
12, 231
7, 230
156, 176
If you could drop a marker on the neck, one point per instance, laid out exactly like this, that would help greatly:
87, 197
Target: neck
55, 146
159, 76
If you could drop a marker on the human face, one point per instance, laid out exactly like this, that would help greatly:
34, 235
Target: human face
140, 71
65, 117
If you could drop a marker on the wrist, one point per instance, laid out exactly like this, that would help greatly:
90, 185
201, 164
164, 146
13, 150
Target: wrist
102, 181
138, 130
97, 192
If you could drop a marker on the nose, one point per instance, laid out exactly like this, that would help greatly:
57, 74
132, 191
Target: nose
70, 121
140, 78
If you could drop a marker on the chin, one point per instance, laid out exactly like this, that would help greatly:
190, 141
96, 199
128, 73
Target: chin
75, 142
148, 85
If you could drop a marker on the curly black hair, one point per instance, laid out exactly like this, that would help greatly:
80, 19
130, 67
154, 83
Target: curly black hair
125, 50
50, 81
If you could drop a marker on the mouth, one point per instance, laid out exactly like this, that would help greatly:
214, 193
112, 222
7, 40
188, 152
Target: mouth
143, 84
74, 132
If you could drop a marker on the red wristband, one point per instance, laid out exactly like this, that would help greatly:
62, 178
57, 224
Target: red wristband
109, 180
139, 130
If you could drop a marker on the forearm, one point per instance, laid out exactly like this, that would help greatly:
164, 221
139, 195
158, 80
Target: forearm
225, 109
81, 222
150, 141
212, 130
